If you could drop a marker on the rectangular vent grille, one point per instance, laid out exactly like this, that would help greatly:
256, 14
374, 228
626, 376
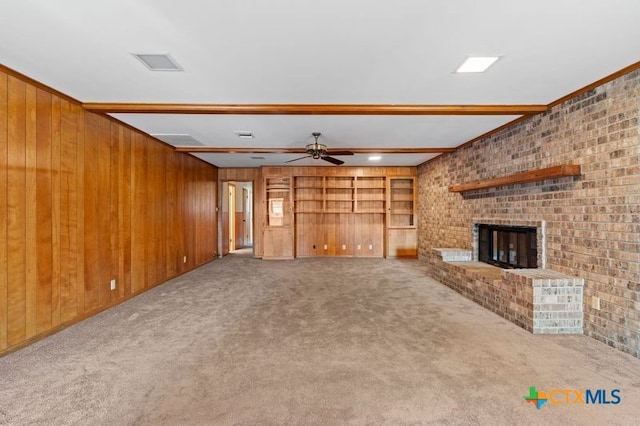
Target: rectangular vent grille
178, 139
158, 62
244, 134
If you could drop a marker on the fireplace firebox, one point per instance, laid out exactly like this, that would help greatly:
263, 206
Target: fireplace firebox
507, 246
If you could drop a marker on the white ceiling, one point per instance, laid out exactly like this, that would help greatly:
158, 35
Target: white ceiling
319, 52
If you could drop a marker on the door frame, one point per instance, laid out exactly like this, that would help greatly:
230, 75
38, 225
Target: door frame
223, 225
232, 203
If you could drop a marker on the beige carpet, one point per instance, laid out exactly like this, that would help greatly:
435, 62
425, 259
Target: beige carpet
310, 341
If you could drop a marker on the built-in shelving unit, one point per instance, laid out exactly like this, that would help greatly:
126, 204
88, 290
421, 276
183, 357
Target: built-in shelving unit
402, 235
340, 194
278, 200
355, 212
278, 227
309, 194
524, 177
402, 202
371, 194
340, 215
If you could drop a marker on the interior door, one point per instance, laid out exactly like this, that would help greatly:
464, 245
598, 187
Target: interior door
246, 216
224, 210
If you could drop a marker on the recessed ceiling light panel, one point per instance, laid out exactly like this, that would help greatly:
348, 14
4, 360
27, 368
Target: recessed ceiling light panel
477, 64
375, 158
158, 61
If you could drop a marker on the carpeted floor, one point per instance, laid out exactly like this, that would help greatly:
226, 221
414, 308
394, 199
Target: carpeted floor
310, 341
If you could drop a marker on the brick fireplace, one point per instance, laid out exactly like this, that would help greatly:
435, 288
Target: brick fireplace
538, 226
507, 246
537, 299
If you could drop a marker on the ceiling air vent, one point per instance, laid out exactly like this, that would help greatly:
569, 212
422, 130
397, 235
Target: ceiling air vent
178, 139
158, 62
244, 134
257, 158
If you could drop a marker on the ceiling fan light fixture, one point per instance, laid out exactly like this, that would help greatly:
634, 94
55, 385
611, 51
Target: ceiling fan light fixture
316, 149
476, 64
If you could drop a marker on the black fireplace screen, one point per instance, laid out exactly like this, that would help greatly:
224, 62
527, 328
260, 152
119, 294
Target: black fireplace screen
508, 246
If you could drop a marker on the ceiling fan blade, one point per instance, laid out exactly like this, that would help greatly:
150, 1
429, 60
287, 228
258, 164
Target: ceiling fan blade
339, 153
333, 160
301, 158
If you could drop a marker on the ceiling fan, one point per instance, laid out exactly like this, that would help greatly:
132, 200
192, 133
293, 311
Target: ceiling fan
319, 151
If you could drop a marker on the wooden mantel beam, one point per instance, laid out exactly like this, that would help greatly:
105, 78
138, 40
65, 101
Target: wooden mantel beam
524, 177
312, 109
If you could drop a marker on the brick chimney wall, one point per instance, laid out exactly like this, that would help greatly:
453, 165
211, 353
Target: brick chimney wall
592, 221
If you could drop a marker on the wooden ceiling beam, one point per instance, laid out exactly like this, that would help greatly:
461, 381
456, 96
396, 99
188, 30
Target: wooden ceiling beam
259, 150
312, 109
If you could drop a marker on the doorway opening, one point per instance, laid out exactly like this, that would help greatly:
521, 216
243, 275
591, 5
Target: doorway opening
236, 218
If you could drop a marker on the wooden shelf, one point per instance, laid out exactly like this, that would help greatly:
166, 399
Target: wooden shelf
373, 182
525, 177
340, 194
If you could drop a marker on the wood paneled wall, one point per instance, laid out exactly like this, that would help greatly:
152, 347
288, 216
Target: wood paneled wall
85, 200
344, 234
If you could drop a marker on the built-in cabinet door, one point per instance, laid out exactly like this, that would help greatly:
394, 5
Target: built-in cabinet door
402, 232
278, 243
